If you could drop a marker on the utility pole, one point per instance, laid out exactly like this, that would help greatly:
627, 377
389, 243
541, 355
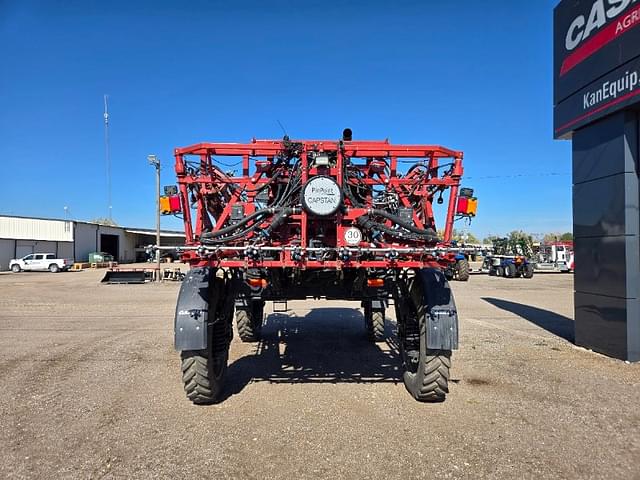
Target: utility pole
155, 161
107, 155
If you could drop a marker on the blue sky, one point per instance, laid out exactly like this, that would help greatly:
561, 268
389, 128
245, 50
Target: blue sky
473, 76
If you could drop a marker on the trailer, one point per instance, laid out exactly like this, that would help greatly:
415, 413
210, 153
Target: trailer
555, 257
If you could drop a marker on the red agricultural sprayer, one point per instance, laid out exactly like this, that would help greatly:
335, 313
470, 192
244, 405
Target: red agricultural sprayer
276, 220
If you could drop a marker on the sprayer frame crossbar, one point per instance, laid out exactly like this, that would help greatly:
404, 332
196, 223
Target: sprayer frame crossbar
377, 165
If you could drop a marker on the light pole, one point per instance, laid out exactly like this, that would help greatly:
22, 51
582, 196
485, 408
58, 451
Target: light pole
155, 161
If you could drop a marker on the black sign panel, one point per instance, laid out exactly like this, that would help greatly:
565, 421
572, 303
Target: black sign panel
592, 38
170, 190
617, 89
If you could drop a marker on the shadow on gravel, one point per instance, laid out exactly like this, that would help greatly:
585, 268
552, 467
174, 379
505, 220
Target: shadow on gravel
552, 322
328, 345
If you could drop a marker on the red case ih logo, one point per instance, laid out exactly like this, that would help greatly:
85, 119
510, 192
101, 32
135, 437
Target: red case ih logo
586, 36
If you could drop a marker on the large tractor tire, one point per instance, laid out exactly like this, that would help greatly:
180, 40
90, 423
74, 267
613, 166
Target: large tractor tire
426, 374
203, 371
429, 382
374, 322
510, 270
249, 322
449, 273
203, 374
462, 270
527, 271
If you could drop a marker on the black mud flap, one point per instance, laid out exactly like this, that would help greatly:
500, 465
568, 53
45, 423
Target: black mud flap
192, 310
442, 316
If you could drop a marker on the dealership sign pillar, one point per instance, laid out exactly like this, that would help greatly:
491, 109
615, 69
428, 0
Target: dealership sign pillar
596, 105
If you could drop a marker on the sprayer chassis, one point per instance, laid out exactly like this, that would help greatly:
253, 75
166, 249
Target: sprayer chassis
262, 235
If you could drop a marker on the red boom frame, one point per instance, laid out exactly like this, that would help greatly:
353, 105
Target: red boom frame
212, 193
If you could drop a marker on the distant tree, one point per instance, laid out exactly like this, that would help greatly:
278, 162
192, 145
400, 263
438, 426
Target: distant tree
459, 236
466, 237
558, 237
104, 221
489, 240
471, 238
521, 243
519, 235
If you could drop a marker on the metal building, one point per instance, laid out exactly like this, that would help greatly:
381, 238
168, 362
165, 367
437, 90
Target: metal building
20, 236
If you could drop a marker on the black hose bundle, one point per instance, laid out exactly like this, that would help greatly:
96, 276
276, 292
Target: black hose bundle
410, 233
212, 237
241, 223
281, 214
403, 223
278, 220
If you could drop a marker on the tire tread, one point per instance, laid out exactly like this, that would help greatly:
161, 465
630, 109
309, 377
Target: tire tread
246, 326
463, 270
377, 326
196, 377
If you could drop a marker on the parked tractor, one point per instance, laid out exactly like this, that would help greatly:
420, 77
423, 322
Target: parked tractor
460, 270
510, 259
316, 219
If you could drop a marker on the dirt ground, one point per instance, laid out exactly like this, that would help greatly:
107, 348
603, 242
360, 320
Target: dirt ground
90, 388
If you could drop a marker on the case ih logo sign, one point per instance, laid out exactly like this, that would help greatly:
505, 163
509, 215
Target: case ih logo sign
586, 36
597, 60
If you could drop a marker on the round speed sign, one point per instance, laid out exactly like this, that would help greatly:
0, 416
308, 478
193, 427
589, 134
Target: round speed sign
352, 236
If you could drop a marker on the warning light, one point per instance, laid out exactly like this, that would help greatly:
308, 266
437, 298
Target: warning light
170, 205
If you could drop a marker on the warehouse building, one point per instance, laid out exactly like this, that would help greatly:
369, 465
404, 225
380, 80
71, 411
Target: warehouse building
20, 236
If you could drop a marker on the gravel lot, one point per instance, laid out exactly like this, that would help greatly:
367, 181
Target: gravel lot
90, 388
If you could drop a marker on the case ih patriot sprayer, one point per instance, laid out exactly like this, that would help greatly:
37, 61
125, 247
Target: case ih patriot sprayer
316, 219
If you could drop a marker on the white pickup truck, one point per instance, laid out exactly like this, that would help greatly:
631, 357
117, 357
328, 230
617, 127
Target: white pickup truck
40, 261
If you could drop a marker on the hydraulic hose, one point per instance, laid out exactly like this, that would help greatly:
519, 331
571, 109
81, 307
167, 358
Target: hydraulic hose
278, 220
366, 223
230, 238
403, 223
241, 223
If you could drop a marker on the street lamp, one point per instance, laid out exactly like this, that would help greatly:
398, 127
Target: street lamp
155, 161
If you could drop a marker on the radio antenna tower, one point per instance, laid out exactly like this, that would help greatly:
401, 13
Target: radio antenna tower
107, 155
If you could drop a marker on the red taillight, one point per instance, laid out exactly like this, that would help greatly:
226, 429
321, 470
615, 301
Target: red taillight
375, 282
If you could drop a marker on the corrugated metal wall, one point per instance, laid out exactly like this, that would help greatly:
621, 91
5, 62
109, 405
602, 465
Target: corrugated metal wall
86, 241
36, 229
6, 253
25, 247
10, 249
22, 236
